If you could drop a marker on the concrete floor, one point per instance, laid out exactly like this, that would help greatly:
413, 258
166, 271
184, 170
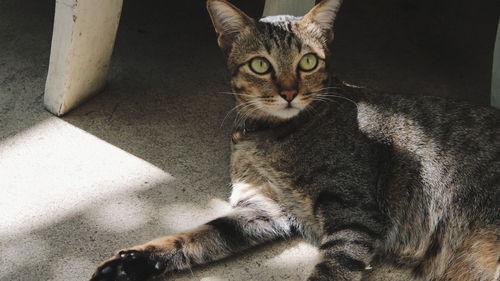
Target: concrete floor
149, 156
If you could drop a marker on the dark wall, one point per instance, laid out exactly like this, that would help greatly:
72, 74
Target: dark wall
435, 47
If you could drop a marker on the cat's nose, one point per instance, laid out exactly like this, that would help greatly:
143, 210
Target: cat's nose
288, 95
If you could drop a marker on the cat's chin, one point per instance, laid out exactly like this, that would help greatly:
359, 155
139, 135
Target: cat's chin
286, 113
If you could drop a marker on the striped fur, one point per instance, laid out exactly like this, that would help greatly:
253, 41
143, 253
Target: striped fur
373, 180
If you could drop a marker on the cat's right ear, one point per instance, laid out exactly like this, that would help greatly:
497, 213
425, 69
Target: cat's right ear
229, 22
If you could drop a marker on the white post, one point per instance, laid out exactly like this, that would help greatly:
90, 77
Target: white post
287, 7
82, 42
495, 77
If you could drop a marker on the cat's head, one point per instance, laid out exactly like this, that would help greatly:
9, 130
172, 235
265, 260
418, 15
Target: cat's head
278, 64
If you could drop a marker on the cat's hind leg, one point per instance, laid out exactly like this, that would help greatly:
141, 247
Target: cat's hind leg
251, 222
478, 258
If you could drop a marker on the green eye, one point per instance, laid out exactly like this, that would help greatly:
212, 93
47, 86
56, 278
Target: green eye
308, 62
260, 65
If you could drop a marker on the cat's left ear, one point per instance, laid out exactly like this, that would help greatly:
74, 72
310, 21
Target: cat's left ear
322, 16
229, 22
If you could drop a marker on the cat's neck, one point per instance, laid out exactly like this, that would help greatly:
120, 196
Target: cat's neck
251, 125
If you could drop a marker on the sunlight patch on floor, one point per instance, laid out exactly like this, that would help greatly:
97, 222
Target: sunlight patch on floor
122, 214
302, 255
53, 170
79, 267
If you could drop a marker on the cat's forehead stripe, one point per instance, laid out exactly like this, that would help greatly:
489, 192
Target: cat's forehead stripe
281, 36
267, 47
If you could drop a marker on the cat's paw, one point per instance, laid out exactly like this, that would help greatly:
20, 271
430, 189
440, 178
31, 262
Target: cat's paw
129, 265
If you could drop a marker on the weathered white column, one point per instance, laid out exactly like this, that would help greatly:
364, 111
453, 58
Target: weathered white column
287, 7
82, 44
495, 78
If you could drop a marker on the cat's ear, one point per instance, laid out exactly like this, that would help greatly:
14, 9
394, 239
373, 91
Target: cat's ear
323, 16
228, 21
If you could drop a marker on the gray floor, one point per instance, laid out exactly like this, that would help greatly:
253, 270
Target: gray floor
149, 156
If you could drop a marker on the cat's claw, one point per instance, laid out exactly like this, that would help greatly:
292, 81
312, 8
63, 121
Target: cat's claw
128, 265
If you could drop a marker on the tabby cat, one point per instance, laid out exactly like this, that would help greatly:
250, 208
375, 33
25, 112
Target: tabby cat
368, 178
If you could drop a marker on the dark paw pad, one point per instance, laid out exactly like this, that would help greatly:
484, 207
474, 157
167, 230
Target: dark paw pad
130, 265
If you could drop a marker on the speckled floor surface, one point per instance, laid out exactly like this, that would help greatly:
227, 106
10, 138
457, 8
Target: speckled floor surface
149, 156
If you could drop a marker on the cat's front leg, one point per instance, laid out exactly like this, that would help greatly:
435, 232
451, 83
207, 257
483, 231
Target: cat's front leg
250, 223
352, 230
344, 257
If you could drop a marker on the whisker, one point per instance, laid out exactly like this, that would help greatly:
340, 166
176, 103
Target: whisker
322, 89
238, 106
310, 110
330, 94
323, 100
234, 94
243, 113
332, 87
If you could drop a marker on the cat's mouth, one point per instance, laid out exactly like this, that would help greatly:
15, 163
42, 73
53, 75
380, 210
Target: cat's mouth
288, 111
283, 109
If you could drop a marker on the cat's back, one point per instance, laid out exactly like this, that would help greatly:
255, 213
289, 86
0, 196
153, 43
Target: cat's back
452, 148
443, 183
448, 140
459, 127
